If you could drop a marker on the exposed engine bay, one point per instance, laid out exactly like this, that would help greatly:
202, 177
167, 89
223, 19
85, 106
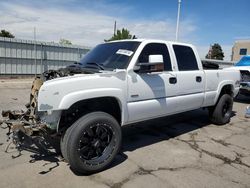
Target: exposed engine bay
26, 129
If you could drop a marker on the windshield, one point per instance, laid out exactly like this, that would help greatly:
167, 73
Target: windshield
110, 56
245, 61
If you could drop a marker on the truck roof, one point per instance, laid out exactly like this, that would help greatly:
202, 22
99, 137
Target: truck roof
152, 40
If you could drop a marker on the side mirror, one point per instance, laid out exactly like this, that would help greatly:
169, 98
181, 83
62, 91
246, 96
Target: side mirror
158, 59
155, 64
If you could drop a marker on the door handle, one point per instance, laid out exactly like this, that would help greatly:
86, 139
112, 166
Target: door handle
172, 80
198, 79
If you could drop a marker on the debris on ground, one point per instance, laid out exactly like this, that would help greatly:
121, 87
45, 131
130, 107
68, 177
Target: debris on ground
25, 128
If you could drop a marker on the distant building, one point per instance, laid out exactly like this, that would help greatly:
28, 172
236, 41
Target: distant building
240, 48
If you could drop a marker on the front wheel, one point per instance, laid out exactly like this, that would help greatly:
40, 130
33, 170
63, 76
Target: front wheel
220, 114
93, 142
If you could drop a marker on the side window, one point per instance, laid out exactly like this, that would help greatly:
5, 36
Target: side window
185, 57
156, 49
243, 51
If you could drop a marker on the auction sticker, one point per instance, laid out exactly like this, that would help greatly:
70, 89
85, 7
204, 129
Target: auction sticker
125, 52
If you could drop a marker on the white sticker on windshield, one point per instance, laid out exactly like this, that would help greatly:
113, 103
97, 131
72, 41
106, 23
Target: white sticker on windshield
125, 52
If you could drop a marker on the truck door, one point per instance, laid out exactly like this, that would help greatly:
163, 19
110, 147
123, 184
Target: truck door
149, 94
190, 79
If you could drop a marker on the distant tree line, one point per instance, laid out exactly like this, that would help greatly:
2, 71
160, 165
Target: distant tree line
6, 34
65, 42
215, 52
121, 34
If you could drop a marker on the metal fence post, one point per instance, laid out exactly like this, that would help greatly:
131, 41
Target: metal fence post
41, 58
16, 58
5, 57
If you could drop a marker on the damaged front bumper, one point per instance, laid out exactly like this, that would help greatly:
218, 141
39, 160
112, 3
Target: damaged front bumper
51, 119
31, 129
26, 132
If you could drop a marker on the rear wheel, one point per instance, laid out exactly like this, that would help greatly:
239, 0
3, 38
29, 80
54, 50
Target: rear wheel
220, 114
93, 142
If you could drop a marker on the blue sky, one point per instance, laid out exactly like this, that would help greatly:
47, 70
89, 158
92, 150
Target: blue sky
203, 22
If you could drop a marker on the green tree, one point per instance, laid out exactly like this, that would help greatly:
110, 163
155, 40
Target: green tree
65, 42
215, 52
6, 34
121, 34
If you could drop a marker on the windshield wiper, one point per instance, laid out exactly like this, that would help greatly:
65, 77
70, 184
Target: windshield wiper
98, 65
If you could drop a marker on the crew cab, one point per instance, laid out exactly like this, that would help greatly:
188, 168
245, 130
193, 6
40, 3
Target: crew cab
130, 81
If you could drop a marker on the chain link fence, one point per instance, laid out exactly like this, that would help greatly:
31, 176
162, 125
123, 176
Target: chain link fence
27, 57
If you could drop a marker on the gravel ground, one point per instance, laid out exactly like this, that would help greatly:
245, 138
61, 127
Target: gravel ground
183, 150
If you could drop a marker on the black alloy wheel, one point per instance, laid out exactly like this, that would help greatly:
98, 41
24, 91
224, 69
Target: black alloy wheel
92, 142
95, 141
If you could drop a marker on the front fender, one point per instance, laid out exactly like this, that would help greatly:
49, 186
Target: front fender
71, 98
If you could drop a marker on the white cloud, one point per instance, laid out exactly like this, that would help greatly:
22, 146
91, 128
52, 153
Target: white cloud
83, 27
89, 27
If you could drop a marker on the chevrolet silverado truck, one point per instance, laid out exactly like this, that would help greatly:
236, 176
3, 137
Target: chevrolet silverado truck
120, 83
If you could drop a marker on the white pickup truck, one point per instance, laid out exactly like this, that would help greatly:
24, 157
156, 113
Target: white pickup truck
125, 82
130, 81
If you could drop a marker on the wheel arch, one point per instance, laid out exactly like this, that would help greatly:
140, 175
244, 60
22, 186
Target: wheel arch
109, 104
226, 88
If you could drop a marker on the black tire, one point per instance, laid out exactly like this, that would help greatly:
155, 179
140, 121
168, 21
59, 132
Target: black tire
220, 114
93, 142
63, 143
63, 147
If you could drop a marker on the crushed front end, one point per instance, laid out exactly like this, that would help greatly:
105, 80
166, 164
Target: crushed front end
34, 130
29, 130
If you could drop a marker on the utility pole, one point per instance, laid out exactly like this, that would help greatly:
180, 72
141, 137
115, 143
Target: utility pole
115, 28
35, 50
178, 20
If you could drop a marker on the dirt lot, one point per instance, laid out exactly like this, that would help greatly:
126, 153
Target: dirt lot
179, 151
